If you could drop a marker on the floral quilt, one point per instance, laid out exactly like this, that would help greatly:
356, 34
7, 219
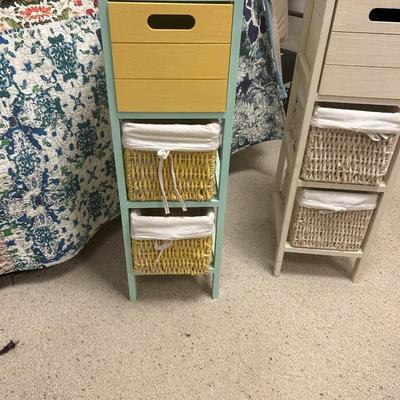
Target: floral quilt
57, 176
29, 13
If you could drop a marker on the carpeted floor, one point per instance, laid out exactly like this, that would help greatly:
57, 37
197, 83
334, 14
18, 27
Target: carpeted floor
310, 334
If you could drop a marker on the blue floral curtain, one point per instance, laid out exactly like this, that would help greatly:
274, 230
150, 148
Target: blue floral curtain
259, 114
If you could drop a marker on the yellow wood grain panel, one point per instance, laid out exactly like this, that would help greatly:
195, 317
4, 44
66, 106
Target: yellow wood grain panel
157, 95
169, 61
372, 82
128, 23
353, 16
363, 49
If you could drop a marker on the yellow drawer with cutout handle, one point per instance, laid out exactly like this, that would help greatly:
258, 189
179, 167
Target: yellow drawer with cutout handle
170, 57
170, 22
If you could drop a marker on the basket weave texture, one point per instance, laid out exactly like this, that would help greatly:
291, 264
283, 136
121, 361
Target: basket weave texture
344, 156
195, 175
314, 228
187, 256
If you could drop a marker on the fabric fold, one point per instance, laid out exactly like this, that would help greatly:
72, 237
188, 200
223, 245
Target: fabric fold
169, 228
369, 122
336, 201
171, 137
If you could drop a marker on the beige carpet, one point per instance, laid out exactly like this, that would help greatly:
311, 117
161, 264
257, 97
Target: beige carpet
310, 334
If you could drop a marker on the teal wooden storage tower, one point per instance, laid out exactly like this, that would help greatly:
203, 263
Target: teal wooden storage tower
146, 44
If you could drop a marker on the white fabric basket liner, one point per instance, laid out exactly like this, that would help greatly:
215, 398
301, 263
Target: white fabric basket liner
336, 201
171, 137
170, 227
369, 122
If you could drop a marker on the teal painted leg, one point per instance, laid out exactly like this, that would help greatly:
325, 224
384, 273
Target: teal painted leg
226, 144
124, 210
117, 147
219, 232
215, 286
128, 254
132, 286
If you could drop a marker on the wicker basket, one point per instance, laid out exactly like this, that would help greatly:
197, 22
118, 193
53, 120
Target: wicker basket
195, 175
343, 231
322, 229
343, 156
350, 146
180, 243
190, 256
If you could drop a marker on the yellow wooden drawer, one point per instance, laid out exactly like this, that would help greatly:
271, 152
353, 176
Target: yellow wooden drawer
169, 61
169, 95
129, 22
354, 16
354, 81
364, 49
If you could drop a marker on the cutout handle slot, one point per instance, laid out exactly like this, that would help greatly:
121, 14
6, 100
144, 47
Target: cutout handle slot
385, 15
171, 21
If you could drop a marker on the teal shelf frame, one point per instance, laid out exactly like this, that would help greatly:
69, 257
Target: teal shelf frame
219, 202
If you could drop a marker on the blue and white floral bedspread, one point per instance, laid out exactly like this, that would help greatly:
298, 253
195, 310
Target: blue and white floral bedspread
57, 176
